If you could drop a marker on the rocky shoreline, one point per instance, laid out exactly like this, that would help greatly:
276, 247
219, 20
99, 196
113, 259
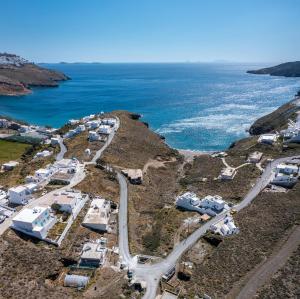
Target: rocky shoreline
18, 76
276, 119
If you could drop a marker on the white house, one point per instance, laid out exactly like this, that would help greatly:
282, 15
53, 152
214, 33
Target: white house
73, 122
105, 129
70, 134
97, 217
94, 136
93, 124
18, 195
227, 174
210, 205
4, 123
10, 165
24, 129
43, 154
255, 157
67, 200
35, 222
225, 226
54, 141
31, 187
69, 164
284, 180
109, 121
79, 129
42, 174
287, 169
3, 194
268, 138
93, 254
213, 202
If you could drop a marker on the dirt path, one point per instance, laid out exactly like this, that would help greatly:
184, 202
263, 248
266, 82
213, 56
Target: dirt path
156, 164
264, 271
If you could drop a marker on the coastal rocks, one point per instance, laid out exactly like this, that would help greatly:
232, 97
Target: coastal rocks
276, 119
288, 69
135, 116
18, 75
12, 87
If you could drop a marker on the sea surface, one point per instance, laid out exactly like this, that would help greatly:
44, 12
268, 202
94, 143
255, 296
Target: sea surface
194, 105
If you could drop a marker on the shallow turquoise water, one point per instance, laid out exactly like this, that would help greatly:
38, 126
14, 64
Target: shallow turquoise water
195, 106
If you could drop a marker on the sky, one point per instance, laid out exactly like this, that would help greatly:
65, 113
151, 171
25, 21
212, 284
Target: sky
151, 30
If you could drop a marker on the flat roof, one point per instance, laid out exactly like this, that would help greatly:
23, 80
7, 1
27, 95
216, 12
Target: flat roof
91, 251
65, 197
29, 215
97, 212
18, 189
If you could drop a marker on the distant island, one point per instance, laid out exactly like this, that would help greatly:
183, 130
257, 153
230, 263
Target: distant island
18, 75
288, 69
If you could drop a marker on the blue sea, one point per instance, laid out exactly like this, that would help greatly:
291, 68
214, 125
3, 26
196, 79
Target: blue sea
194, 105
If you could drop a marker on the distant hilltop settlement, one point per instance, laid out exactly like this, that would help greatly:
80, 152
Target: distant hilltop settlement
67, 187
18, 75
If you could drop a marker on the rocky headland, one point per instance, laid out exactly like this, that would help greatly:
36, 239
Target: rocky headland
18, 75
288, 69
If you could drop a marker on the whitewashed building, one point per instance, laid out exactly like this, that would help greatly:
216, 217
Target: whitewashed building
35, 222
210, 205
227, 174
54, 141
105, 129
109, 121
73, 122
255, 157
94, 136
213, 202
4, 123
225, 227
287, 169
18, 195
284, 180
10, 165
97, 217
42, 174
93, 124
43, 154
268, 138
79, 129
67, 200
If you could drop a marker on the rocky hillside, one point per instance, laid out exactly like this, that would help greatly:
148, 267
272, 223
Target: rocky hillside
17, 75
276, 119
288, 69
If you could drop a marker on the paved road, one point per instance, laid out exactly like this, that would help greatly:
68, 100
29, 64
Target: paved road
78, 177
63, 149
271, 266
152, 273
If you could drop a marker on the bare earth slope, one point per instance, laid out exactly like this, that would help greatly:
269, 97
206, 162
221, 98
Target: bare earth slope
276, 119
18, 75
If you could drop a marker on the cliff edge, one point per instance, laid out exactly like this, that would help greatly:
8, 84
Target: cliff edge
18, 75
288, 69
276, 119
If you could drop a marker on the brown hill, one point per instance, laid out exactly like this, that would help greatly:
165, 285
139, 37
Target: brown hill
18, 75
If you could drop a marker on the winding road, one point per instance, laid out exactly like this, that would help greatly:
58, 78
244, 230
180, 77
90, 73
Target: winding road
152, 273
78, 177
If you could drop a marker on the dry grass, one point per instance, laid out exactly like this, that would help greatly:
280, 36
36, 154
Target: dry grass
77, 145
100, 183
285, 282
261, 225
11, 150
134, 144
208, 167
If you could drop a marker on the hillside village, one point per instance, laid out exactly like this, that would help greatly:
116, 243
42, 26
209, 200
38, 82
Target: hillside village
115, 212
